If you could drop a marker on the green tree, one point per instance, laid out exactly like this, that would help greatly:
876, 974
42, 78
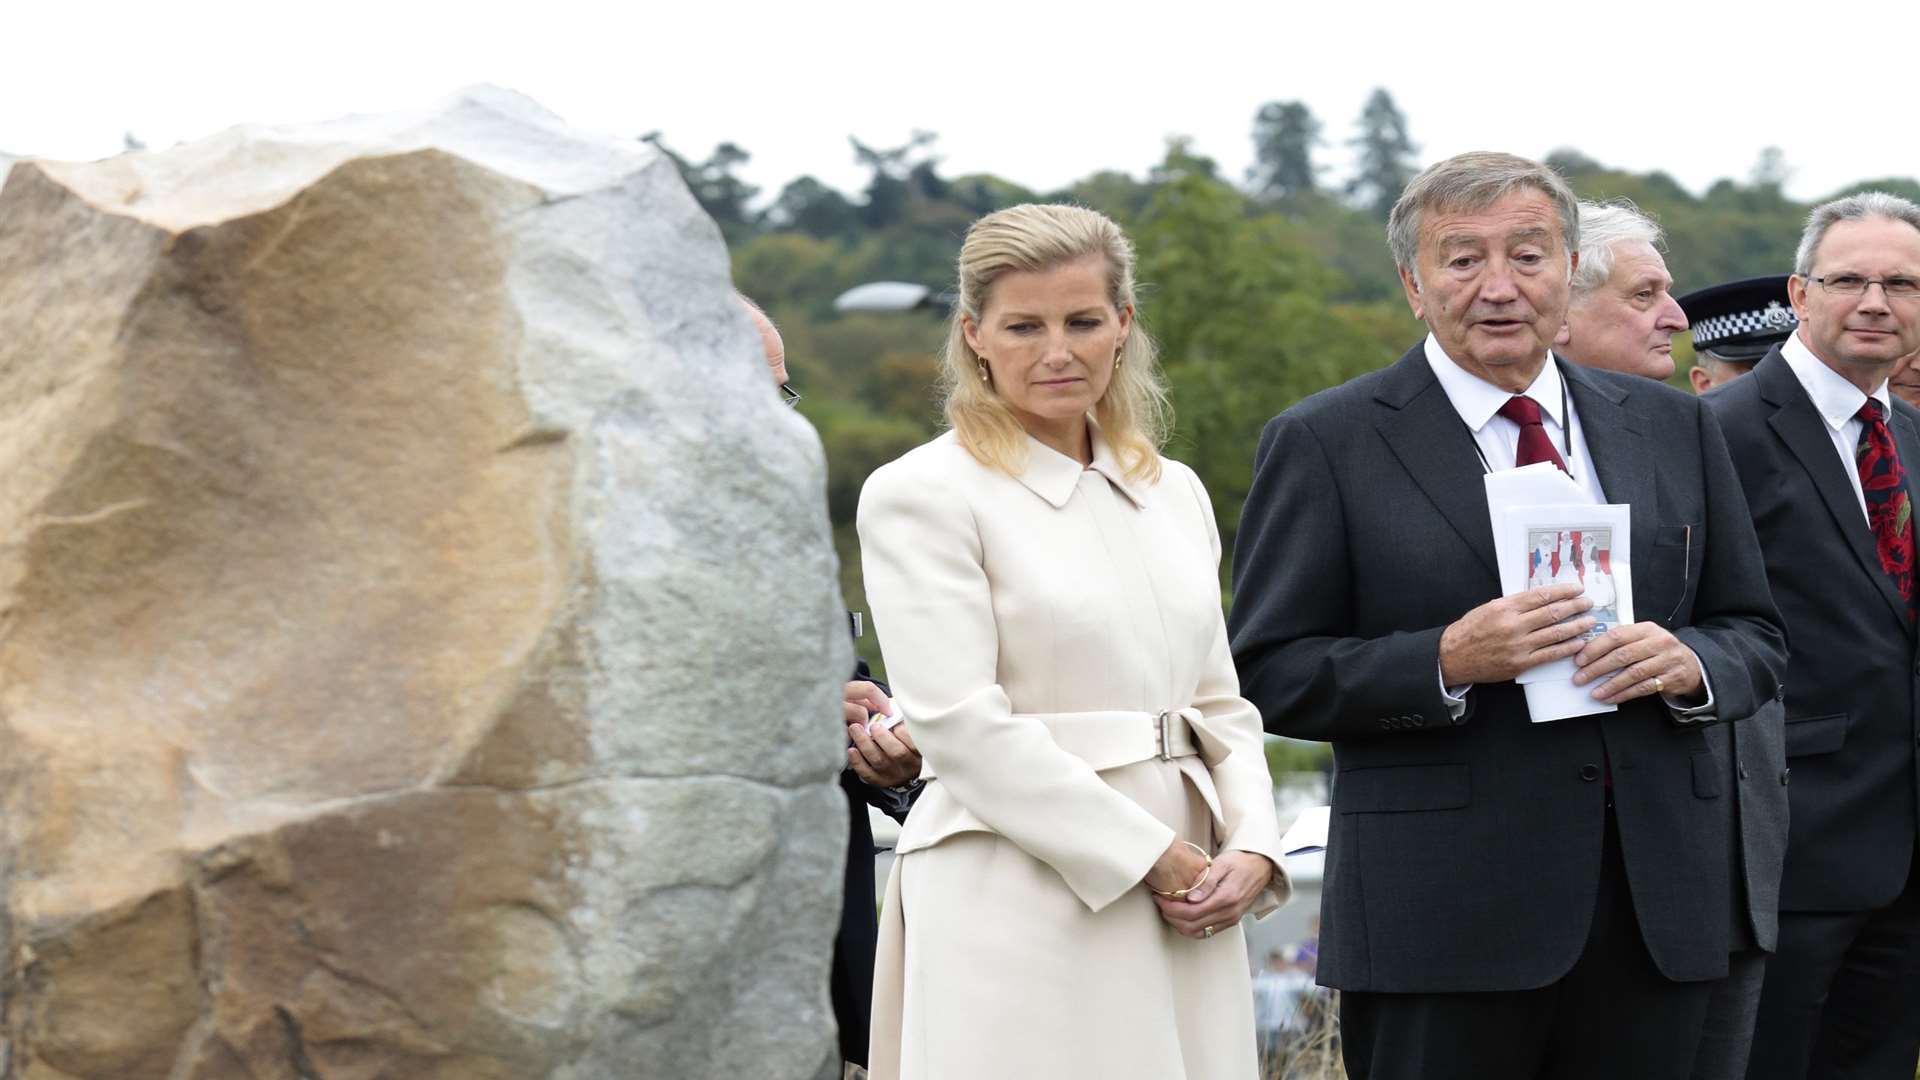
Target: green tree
792, 270
1770, 171
1182, 162
1284, 135
1386, 152
1238, 300
983, 193
723, 195
888, 191
1113, 193
806, 205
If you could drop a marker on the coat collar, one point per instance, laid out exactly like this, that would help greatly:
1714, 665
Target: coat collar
1053, 475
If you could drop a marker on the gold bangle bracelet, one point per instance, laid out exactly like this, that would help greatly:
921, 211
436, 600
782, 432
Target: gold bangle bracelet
1178, 894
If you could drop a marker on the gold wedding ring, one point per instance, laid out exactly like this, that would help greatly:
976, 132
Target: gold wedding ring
1658, 686
1207, 932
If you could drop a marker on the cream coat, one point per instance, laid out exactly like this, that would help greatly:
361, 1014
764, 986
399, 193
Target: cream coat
1033, 628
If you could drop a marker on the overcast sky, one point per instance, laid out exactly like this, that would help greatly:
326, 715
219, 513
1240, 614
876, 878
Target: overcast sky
1039, 92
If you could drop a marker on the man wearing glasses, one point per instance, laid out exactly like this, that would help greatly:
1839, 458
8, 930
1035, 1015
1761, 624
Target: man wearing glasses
883, 769
1824, 454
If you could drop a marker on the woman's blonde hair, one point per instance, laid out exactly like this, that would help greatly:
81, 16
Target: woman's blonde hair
1133, 414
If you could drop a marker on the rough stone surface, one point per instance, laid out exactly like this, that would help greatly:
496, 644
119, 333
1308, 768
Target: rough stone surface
418, 629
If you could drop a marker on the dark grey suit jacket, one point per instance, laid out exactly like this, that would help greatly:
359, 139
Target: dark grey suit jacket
1756, 751
1852, 731
1465, 856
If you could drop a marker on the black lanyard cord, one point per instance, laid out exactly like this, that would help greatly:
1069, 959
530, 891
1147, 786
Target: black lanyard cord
1566, 435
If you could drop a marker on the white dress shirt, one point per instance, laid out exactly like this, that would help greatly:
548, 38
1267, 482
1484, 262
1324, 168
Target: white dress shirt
1478, 402
1838, 403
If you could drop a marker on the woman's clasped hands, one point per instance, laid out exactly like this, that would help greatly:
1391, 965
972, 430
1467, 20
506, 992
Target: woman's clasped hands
1200, 898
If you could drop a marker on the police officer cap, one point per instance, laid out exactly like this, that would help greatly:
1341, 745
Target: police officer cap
1740, 320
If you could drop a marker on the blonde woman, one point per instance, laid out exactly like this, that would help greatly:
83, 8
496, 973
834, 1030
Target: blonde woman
1098, 813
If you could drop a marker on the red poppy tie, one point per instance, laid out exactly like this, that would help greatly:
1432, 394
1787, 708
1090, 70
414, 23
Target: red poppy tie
1534, 443
1889, 512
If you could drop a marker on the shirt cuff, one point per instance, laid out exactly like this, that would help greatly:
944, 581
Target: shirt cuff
895, 801
1456, 696
1692, 714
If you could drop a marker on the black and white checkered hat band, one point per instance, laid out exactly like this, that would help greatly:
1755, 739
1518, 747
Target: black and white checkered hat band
1773, 319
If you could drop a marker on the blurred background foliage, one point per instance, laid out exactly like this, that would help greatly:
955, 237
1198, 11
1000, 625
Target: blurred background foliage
1261, 289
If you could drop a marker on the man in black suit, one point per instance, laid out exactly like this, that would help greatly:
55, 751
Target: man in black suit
1504, 899
883, 769
883, 772
1824, 452
1622, 318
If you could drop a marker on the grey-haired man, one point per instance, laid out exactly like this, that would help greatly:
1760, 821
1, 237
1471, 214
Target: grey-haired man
1826, 457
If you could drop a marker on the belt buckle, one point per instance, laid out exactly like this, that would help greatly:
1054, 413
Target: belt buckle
1163, 733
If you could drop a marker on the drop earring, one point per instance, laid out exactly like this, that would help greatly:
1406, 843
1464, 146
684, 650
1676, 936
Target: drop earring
981, 363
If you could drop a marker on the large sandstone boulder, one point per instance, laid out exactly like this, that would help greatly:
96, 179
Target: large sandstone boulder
418, 630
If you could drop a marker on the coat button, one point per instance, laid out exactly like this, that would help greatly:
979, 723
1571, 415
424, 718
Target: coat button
1783, 777
1743, 770
1589, 773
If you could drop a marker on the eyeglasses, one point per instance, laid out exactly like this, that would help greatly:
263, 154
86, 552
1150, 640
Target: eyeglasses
1899, 288
789, 396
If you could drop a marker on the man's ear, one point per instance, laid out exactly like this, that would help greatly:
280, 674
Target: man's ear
1797, 296
1565, 335
1412, 286
1702, 382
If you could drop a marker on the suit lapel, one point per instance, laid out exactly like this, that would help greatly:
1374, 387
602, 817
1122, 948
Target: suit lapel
1435, 447
1798, 424
1622, 458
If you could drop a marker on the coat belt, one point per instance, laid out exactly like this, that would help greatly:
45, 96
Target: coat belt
1108, 740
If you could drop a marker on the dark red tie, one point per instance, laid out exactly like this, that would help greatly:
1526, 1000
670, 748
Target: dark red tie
1889, 511
1534, 443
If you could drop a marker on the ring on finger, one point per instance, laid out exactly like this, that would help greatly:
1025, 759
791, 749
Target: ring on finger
1206, 931
1658, 685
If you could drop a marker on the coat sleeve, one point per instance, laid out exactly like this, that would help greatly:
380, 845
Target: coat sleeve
1292, 619
932, 603
1241, 779
1735, 628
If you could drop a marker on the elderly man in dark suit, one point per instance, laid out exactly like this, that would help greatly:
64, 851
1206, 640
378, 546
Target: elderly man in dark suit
1623, 318
883, 769
1825, 455
1504, 899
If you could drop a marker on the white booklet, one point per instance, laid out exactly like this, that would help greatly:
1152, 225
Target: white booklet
1548, 531
1586, 545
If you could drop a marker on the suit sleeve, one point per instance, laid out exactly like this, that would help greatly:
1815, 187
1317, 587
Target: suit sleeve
1241, 779
1735, 629
932, 604
1292, 619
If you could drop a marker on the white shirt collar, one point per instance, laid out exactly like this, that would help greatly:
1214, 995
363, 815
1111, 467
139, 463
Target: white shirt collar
1836, 399
1477, 400
1053, 475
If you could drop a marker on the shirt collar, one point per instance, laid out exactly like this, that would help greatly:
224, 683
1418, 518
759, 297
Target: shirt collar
1836, 399
1053, 475
1477, 400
